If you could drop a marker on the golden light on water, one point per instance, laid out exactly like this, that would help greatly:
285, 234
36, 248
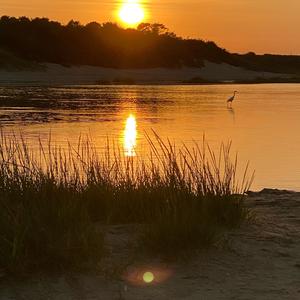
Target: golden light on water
131, 13
148, 277
130, 136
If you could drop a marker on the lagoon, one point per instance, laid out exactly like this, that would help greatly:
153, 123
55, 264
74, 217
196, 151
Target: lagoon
263, 125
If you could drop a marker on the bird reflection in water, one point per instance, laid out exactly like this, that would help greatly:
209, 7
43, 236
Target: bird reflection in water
231, 112
130, 136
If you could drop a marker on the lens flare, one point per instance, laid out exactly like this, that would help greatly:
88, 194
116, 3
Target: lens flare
131, 13
148, 277
130, 135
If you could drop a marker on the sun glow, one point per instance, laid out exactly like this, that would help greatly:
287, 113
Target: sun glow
131, 13
130, 135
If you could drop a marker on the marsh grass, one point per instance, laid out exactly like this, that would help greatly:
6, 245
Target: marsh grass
52, 198
204, 199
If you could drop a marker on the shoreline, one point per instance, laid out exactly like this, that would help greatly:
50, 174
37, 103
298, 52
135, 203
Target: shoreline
211, 73
32, 84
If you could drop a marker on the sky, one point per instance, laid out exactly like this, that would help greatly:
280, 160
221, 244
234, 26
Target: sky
262, 26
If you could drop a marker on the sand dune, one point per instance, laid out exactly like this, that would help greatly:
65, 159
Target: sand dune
56, 74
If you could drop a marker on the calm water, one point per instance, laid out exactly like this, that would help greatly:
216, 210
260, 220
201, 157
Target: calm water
264, 123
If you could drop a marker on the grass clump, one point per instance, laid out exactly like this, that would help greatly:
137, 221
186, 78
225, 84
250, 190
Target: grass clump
52, 200
44, 224
204, 198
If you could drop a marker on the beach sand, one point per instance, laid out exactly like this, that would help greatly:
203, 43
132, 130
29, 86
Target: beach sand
257, 261
52, 74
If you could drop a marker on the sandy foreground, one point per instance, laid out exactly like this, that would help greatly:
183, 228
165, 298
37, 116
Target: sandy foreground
53, 74
258, 261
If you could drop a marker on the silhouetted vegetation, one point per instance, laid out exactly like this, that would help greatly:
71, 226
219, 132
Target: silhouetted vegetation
108, 45
52, 200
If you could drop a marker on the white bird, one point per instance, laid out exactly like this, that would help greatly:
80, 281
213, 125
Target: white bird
230, 100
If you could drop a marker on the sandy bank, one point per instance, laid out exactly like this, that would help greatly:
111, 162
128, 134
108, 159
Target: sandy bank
260, 261
56, 74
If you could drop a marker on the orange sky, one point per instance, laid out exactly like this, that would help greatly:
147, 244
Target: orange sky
263, 26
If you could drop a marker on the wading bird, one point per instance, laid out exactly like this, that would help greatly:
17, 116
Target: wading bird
230, 100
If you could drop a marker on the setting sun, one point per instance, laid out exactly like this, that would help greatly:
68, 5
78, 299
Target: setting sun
131, 13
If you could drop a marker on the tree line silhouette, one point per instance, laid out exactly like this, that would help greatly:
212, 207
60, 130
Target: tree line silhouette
108, 45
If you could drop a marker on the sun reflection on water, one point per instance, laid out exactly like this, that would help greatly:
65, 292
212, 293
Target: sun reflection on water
130, 136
